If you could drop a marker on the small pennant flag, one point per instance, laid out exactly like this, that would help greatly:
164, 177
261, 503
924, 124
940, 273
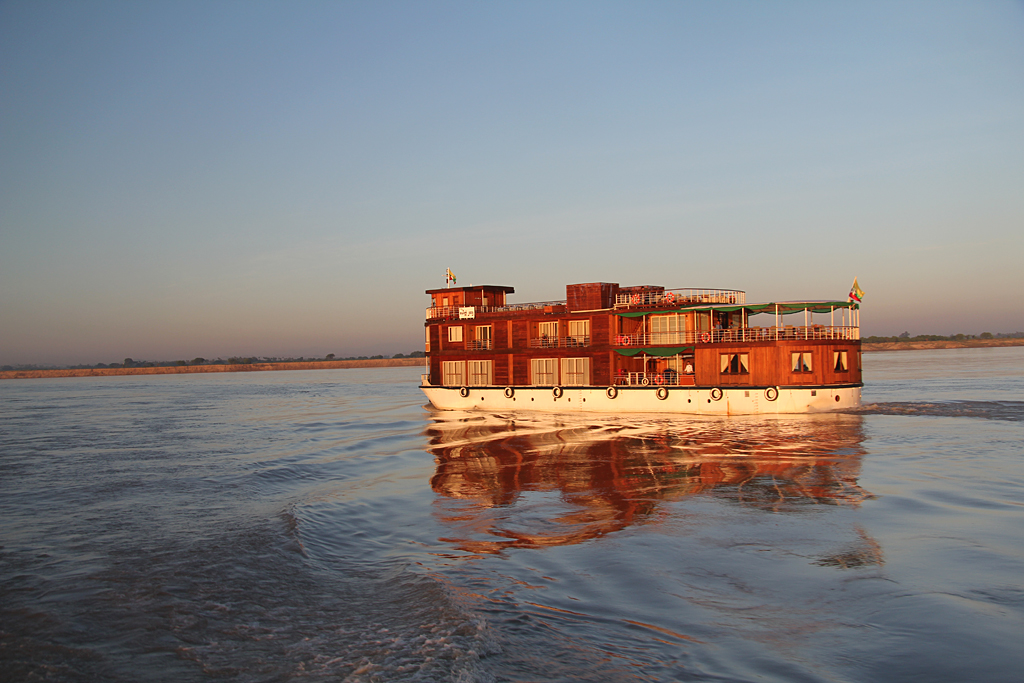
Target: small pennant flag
449, 275
856, 293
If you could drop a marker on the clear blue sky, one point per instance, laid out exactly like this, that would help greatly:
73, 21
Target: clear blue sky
186, 179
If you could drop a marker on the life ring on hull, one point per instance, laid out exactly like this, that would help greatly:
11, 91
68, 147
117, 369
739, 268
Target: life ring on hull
557, 392
611, 392
716, 394
645, 381
658, 379
662, 393
705, 337
509, 392
771, 393
464, 392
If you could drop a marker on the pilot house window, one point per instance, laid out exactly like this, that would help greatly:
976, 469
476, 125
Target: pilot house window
734, 363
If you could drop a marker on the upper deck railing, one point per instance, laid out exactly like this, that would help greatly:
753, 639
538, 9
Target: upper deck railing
741, 334
575, 341
680, 297
470, 312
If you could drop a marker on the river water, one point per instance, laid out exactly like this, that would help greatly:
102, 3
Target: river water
327, 526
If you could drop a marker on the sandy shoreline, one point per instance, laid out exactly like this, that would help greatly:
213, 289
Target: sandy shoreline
411, 362
918, 345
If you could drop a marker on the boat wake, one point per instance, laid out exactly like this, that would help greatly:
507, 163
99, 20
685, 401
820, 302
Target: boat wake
1012, 411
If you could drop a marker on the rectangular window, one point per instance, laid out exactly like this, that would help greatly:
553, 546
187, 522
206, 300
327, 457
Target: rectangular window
544, 372
480, 373
579, 332
575, 371
802, 361
483, 338
453, 373
665, 329
734, 363
839, 361
455, 333
548, 334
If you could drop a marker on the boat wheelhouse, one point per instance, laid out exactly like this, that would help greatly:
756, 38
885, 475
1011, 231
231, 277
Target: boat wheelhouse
607, 348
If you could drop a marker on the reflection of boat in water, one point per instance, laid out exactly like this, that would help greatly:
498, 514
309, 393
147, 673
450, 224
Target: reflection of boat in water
536, 481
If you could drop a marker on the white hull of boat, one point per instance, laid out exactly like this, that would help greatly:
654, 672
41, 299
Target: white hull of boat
650, 399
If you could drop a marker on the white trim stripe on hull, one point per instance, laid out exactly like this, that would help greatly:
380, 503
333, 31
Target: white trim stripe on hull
683, 400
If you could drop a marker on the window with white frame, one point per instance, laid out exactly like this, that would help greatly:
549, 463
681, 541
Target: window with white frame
455, 333
734, 363
549, 329
483, 336
665, 329
579, 332
548, 334
839, 361
575, 371
544, 371
675, 364
801, 361
479, 373
453, 373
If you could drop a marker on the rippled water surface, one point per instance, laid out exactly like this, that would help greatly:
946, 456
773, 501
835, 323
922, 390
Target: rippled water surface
327, 526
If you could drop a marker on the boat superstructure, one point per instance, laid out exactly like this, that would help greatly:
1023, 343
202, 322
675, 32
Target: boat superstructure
607, 348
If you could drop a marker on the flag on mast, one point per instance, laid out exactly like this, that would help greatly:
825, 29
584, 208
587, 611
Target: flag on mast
449, 275
856, 293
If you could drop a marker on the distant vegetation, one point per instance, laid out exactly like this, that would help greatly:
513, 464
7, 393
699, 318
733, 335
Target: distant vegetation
234, 360
905, 337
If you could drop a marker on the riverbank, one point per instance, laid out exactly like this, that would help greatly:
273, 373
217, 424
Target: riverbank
919, 345
410, 362
235, 367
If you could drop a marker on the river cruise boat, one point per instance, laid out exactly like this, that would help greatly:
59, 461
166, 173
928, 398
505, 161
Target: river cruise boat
640, 349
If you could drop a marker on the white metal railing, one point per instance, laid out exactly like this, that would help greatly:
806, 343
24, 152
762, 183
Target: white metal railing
445, 312
680, 297
665, 378
479, 345
742, 334
574, 341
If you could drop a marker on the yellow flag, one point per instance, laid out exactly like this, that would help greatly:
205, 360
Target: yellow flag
856, 293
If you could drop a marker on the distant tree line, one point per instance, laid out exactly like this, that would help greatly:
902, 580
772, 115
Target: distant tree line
234, 360
905, 337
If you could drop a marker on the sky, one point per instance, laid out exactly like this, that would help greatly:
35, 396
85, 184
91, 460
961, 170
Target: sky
281, 179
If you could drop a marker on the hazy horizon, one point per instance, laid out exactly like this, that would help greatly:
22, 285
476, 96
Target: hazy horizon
186, 179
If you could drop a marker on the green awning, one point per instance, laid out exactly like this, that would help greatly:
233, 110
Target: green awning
657, 351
